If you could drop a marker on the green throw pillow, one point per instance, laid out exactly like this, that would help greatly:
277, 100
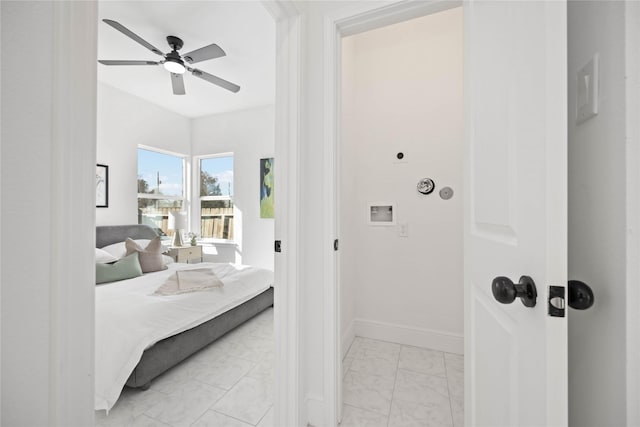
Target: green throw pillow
126, 268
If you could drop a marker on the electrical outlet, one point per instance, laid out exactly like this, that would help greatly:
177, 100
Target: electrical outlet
403, 229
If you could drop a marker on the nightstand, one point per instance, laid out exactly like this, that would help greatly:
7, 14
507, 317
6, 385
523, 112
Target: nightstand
185, 253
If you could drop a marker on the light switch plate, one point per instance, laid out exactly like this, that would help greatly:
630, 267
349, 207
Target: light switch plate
403, 229
587, 90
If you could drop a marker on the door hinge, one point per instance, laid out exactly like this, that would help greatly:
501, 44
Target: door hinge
335, 245
277, 246
556, 301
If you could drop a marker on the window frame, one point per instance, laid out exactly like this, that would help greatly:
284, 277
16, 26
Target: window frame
198, 199
185, 181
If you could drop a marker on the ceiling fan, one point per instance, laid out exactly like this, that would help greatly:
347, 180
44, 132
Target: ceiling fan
173, 62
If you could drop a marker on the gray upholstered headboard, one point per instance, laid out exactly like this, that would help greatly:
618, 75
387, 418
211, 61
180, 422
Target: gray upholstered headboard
109, 234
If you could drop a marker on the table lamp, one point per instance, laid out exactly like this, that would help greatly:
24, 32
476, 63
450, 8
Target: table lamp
177, 223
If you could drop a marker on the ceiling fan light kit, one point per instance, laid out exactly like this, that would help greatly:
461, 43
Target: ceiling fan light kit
173, 62
174, 65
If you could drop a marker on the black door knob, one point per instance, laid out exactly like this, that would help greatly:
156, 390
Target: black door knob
580, 295
505, 291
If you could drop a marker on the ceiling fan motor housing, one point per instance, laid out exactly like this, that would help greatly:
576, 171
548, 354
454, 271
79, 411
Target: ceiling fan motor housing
175, 42
173, 56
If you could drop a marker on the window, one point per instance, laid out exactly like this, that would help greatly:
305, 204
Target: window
216, 197
161, 188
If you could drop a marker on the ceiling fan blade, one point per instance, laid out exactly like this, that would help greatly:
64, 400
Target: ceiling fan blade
126, 62
215, 80
208, 52
127, 32
177, 82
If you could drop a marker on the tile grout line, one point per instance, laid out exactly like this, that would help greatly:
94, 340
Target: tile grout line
210, 408
395, 381
154, 419
359, 407
446, 371
369, 374
238, 419
264, 415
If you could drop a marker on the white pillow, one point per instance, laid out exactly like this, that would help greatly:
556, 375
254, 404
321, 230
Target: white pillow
119, 251
167, 259
104, 257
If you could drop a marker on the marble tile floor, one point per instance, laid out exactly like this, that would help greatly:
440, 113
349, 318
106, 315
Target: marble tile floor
230, 383
392, 385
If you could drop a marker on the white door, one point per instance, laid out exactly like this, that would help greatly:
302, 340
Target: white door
516, 211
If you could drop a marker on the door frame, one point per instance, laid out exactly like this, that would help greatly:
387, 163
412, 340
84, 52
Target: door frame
632, 90
72, 392
288, 389
362, 18
348, 21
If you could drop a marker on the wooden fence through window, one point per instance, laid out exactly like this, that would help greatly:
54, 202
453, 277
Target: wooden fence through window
215, 223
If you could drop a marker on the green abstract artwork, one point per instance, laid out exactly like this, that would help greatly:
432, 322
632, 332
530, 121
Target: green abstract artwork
266, 188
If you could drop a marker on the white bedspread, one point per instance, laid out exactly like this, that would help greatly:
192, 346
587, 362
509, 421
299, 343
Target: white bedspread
130, 319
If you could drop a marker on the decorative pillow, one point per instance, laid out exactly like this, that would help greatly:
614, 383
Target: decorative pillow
126, 268
150, 257
104, 257
119, 250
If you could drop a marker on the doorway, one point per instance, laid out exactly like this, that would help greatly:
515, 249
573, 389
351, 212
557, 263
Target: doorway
61, 146
496, 29
285, 23
400, 221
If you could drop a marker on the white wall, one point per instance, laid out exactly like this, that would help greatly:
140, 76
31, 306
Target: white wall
249, 134
124, 121
402, 89
597, 237
0, 231
48, 193
347, 223
26, 124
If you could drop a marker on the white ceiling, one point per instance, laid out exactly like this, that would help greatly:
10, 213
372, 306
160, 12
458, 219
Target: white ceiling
243, 29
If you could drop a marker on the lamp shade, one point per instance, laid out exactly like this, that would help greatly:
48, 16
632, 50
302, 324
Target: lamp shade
177, 220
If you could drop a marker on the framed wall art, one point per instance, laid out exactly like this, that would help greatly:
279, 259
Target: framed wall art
267, 206
102, 186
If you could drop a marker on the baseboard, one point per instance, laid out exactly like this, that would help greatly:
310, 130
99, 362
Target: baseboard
315, 411
426, 338
347, 338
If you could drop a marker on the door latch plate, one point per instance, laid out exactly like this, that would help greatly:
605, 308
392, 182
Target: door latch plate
556, 302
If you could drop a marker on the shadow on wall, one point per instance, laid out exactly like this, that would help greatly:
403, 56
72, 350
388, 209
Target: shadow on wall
221, 253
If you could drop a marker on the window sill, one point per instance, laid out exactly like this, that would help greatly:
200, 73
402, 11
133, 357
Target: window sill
217, 242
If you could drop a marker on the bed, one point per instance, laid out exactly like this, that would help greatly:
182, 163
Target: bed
168, 329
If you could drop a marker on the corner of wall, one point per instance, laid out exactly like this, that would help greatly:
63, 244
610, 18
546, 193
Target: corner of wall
347, 338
